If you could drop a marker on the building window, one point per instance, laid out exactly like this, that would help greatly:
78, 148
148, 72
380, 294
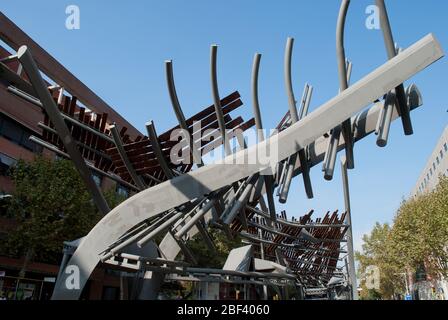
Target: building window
15, 132
438, 161
430, 172
445, 146
6, 163
434, 166
122, 190
98, 179
441, 154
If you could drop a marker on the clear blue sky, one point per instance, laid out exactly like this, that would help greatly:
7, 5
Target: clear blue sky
120, 50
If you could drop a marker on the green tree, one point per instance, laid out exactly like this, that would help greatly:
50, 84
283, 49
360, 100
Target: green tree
209, 259
51, 205
376, 252
420, 232
418, 237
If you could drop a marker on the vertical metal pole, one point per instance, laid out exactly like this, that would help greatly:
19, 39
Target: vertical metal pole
392, 52
53, 113
349, 234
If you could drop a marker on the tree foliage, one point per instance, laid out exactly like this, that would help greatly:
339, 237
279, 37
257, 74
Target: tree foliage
420, 233
209, 259
51, 205
419, 236
376, 252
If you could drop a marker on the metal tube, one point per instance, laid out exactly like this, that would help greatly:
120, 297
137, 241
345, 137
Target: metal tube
343, 81
179, 113
349, 233
288, 80
158, 150
159, 229
294, 118
196, 218
255, 100
268, 179
391, 52
331, 153
349, 71
306, 102
288, 178
124, 157
386, 119
52, 110
217, 100
209, 271
114, 250
284, 245
241, 201
340, 51
297, 225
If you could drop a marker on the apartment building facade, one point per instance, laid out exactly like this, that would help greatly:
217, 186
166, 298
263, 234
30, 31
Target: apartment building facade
436, 166
19, 120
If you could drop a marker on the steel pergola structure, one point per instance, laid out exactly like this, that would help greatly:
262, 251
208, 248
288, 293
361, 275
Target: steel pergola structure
184, 198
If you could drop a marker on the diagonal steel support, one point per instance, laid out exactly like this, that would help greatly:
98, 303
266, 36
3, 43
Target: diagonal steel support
179, 113
53, 113
216, 99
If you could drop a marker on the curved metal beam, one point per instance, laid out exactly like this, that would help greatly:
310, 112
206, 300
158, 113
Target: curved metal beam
343, 81
124, 157
268, 179
216, 99
179, 113
346, 127
294, 118
152, 134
